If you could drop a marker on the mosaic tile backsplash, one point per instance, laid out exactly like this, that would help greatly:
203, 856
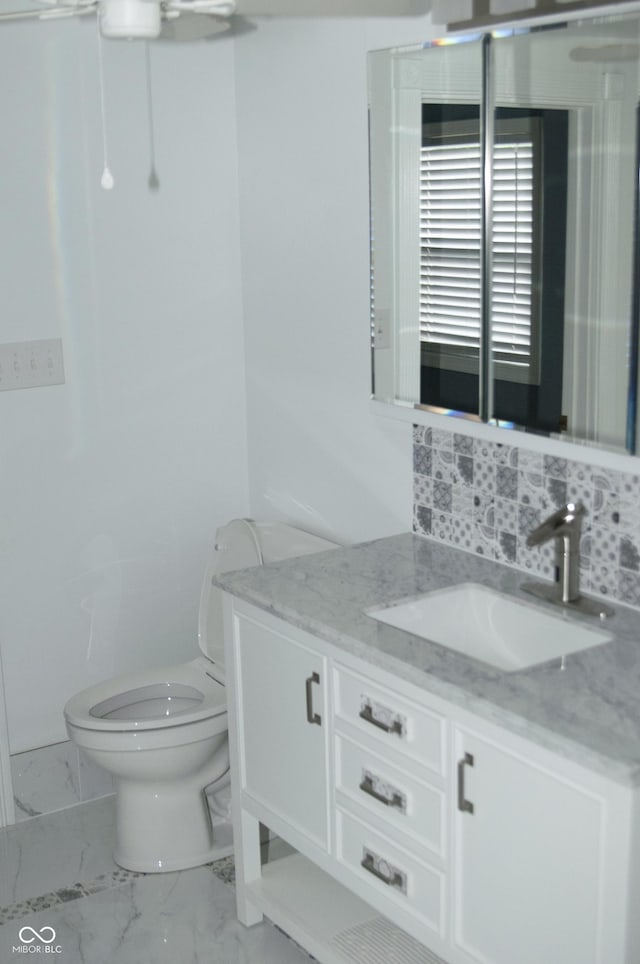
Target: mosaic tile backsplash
485, 497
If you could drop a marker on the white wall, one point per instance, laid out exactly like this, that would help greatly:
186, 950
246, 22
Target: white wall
113, 483
317, 456
111, 486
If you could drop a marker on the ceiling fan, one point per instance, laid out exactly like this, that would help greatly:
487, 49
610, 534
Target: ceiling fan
145, 18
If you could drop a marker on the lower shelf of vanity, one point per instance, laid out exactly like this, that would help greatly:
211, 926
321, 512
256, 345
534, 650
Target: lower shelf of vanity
328, 920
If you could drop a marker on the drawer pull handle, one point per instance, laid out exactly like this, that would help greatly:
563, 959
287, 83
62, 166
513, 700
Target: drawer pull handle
383, 719
311, 716
465, 806
391, 798
384, 871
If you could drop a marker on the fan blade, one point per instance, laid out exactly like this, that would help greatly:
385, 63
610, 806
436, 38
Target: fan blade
332, 8
21, 15
216, 8
188, 27
58, 12
52, 14
52, 11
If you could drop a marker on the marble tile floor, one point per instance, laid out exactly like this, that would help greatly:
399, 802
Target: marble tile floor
63, 899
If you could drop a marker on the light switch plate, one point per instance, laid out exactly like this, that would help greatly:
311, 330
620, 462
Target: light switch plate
31, 364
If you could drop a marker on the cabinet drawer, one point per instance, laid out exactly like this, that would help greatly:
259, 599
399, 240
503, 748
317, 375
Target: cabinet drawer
391, 871
393, 721
391, 795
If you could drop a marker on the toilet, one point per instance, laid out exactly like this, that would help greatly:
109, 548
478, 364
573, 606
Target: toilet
162, 733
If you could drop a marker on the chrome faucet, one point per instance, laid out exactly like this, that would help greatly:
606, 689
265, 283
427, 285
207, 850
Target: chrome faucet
565, 527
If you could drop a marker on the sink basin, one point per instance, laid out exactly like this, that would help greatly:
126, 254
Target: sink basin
490, 626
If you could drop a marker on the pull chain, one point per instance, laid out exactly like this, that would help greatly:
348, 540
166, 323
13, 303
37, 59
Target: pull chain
153, 181
106, 181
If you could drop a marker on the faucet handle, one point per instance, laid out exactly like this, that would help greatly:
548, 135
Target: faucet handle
566, 520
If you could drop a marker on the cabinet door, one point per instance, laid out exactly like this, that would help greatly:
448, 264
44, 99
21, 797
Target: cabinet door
283, 716
527, 860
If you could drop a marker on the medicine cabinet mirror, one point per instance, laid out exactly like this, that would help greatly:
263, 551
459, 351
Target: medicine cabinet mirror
504, 196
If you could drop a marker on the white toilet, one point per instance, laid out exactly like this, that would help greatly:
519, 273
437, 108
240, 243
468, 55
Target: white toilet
162, 733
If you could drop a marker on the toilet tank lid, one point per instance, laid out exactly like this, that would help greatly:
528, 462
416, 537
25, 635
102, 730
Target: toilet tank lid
240, 544
237, 546
279, 540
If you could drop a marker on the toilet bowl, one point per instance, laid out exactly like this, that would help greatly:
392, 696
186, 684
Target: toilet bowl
162, 733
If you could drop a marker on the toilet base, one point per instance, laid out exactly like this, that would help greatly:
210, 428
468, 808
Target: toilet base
162, 828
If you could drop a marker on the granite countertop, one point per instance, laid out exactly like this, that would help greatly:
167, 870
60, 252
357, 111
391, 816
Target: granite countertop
586, 708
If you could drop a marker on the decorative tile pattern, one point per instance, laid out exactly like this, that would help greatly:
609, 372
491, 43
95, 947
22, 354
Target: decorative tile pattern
62, 896
629, 588
463, 444
223, 869
442, 496
152, 919
423, 517
486, 497
443, 465
62, 877
506, 515
506, 482
422, 460
629, 555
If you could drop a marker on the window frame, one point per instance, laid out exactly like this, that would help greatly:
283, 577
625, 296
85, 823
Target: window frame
527, 128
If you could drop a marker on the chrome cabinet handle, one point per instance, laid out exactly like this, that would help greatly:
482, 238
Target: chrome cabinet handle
311, 716
394, 798
396, 725
384, 871
465, 806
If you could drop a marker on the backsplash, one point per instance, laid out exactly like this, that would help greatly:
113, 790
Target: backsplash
485, 497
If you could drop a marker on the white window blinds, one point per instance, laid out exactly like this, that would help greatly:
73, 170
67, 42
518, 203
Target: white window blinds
451, 256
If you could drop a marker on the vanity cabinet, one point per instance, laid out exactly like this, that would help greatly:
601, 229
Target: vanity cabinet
282, 722
533, 848
421, 831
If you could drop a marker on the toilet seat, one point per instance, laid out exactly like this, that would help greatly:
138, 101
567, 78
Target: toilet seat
161, 698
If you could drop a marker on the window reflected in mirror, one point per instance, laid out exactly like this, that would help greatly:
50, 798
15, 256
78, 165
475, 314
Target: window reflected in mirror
562, 297
529, 230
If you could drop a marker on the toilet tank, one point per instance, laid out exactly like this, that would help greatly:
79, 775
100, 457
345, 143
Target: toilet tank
240, 544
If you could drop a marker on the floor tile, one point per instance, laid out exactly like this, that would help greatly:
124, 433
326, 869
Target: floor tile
56, 850
187, 917
63, 898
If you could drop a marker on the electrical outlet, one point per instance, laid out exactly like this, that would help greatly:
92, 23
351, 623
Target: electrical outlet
31, 364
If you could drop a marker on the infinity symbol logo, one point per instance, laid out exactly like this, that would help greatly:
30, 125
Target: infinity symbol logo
41, 936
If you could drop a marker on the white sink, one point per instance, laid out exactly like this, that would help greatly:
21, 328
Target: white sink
490, 626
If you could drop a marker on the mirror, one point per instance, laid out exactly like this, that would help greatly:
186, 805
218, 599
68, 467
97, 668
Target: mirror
401, 83
504, 178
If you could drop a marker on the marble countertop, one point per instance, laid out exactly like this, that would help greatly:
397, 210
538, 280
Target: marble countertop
586, 708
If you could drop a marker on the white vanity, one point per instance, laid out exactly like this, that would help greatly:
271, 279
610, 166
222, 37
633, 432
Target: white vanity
440, 809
